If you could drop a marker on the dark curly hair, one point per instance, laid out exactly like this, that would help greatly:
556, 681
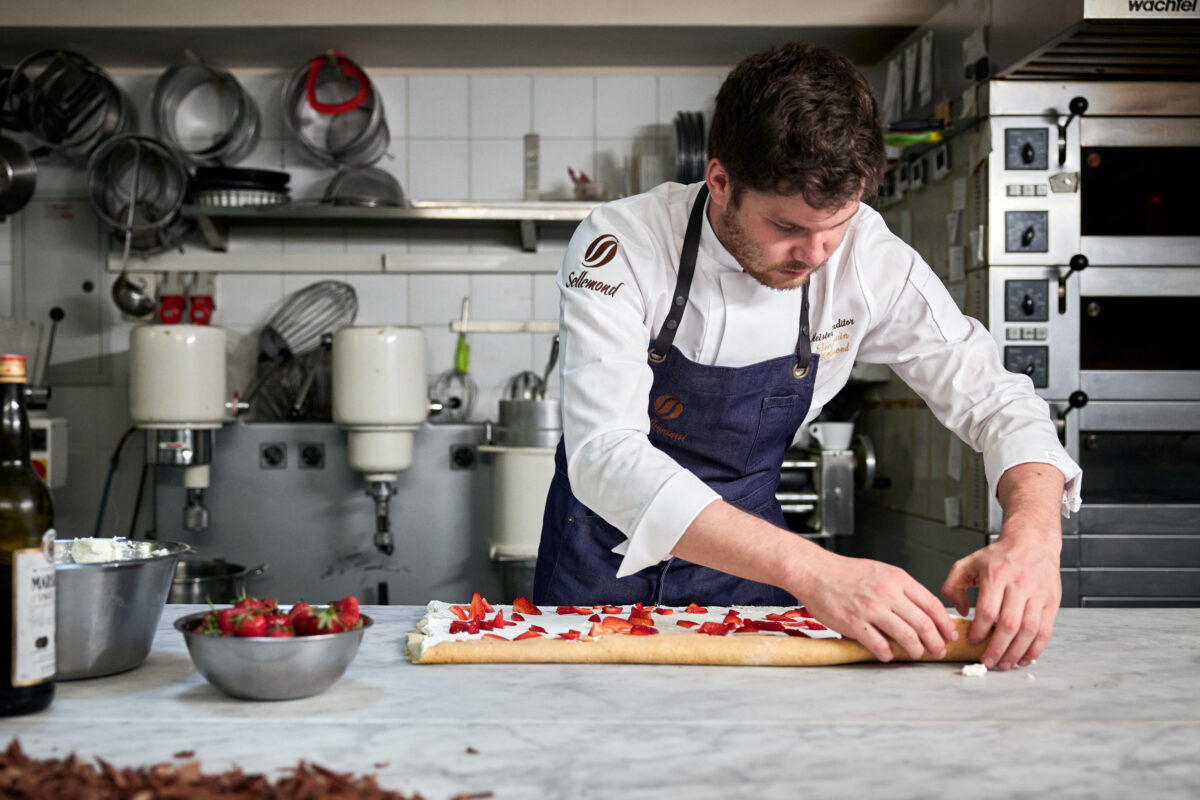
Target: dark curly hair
799, 119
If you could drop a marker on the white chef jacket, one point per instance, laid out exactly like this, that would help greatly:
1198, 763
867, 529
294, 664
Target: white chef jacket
875, 301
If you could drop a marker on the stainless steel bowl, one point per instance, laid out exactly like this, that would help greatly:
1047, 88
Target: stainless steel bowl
262, 668
107, 613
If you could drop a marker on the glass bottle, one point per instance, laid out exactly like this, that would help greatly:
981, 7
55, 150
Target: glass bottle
27, 611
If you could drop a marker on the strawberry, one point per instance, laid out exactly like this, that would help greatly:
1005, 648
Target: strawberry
348, 616
524, 606
642, 630
666, 612
250, 623
695, 609
528, 635
571, 634
617, 624
537, 629
612, 610
460, 611
247, 602
596, 617
714, 629
225, 619
597, 630
687, 623
516, 617
479, 606
280, 630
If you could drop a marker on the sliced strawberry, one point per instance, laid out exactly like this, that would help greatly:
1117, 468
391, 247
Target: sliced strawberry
779, 617
687, 623
647, 621
813, 625
801, 634
768, 625
459, 626
666, 612
525, 606
528, 635
642, 630
537, 629
499, 621
571, 634
478, 606
594, 618
612, 609
597, 630
516, 617
462, 612
695, 609
714, 629
732, 618
637, 610
496, 636
617, 624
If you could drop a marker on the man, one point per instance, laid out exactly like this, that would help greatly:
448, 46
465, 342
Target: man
688, 320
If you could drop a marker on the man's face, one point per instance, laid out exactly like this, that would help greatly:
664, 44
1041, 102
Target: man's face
780, 240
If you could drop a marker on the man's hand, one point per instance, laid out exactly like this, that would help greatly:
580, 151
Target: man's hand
869, 600
865, 600
1019, 583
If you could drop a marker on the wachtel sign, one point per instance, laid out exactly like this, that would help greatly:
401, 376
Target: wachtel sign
1139, 9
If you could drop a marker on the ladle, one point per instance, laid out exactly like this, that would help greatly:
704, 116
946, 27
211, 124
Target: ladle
128, 296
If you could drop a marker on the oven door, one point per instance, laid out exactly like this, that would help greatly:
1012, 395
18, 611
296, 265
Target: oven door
1137, 190
1136, 332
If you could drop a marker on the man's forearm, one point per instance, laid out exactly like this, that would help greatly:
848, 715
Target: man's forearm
724, 537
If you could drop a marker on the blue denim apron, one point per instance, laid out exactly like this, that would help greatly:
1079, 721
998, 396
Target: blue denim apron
729, 425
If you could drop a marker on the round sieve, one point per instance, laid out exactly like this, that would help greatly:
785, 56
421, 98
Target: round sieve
205, 114
137, 185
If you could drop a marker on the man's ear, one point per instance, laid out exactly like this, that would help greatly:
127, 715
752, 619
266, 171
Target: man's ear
719, 183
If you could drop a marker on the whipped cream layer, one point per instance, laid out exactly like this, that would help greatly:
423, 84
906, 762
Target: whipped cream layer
435, 625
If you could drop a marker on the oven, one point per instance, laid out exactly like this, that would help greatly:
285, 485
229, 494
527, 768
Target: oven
1093, 291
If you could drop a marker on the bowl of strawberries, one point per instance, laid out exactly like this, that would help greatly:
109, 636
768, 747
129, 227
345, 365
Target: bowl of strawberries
257, 649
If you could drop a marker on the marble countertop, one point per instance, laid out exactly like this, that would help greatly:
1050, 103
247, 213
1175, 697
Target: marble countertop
1112, 708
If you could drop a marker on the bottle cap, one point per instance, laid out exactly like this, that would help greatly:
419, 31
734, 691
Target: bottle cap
12, 369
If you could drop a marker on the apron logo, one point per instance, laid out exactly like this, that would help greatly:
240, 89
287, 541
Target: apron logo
667, 406
601, 251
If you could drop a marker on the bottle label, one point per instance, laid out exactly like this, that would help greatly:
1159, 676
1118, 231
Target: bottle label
33, 613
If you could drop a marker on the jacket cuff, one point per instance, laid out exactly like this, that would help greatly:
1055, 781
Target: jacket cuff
654, 534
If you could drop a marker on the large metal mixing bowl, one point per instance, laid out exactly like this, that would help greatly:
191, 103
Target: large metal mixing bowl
107, 612
262, 668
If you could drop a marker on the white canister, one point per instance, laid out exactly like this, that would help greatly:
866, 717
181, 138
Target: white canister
177, 376
521, 479
380, 395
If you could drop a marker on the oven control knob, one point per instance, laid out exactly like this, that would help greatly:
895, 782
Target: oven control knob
1028, 154
1028, 306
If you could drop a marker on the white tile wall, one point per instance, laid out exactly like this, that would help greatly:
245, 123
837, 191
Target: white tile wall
454, 137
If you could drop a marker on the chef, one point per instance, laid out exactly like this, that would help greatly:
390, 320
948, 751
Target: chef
703, 325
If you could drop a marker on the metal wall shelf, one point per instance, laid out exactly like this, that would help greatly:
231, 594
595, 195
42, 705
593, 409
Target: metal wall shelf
214, 221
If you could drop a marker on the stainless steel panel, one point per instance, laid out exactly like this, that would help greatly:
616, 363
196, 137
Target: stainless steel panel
1139, 551
1139, 582
1139, 602
1061, 330
1138, 385
1173, 518
1134, 250
1140, 416
1105, 98
1070, 588
1070, 552
1145, 281
1138, 131
314, 527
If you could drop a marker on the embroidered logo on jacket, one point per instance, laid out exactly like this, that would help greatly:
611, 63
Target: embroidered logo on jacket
830, 343
602, 250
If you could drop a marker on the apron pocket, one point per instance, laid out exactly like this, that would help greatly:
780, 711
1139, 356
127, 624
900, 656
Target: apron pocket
772, 437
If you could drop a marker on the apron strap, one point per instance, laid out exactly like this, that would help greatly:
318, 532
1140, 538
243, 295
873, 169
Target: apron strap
683, 287
683, 283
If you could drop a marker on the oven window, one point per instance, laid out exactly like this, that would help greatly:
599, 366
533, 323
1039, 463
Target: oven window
1153, 468
1139, 333
1139, 191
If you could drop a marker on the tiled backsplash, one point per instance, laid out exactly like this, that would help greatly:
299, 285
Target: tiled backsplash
453, 137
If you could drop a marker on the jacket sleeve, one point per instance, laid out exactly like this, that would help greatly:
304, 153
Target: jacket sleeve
612, 271
953, 363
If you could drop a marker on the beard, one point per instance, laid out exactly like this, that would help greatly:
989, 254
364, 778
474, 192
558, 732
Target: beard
781, 276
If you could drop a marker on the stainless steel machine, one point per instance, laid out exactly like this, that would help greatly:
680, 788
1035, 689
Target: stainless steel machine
1059, 209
